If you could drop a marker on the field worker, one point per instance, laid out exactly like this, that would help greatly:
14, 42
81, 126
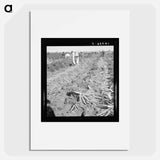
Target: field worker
75, 57
67, 55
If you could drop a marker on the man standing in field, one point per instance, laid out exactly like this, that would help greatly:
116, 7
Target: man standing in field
75, 57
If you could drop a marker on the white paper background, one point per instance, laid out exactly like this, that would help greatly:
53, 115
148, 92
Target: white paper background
74, 24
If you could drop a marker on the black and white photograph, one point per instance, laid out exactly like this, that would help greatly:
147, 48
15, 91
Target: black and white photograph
79, 79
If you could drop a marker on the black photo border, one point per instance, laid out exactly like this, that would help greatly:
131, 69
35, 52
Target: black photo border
78, 42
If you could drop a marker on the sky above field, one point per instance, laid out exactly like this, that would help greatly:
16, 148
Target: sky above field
78, 48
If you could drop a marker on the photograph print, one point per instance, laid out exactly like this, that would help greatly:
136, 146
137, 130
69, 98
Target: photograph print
80, 79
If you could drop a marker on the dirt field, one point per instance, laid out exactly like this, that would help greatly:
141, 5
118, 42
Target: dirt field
84, 89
